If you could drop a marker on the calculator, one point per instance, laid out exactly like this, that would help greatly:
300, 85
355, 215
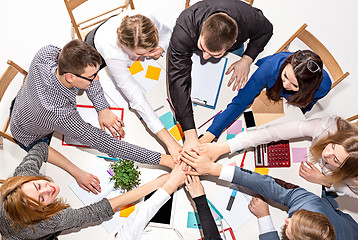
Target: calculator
273, 154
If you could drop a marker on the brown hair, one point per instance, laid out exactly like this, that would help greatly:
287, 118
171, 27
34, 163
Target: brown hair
76, 56
308, 81
22, 209
310, 225
219, 32
137, 31
347, 136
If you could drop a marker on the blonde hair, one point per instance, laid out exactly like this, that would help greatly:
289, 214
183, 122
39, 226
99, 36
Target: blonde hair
22, 209
347, 136
137, 31
310, 225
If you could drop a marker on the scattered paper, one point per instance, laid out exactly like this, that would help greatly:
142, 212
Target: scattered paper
235, 128
125, 211
299, 155
153, 73
136, 67
262, 171
168, 120
177, 132
193, 220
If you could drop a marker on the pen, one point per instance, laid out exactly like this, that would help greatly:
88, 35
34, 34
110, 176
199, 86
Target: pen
243, 159
170, 105
209, 119
231, 200
115, 159
217, 211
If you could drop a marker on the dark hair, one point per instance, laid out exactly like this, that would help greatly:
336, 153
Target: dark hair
76, 56
219, 32
308, 69
138, 31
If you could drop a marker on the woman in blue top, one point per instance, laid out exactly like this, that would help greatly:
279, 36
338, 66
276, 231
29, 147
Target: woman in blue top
298, 77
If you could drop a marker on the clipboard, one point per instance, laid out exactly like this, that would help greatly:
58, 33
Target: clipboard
89, 115
206, 81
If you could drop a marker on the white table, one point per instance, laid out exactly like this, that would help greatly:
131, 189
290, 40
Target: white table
137, 133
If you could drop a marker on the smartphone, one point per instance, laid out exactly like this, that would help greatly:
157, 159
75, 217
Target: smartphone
249, 120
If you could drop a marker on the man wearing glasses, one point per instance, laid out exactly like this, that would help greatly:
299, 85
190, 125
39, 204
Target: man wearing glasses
47, 103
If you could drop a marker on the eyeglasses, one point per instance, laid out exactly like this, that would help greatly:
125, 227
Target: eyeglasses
88, 79
312, 66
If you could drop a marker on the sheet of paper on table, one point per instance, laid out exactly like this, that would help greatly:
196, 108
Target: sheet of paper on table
206, 80
239, 207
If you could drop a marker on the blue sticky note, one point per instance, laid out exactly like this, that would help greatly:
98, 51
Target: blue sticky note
168, 120
193, 220
229, 136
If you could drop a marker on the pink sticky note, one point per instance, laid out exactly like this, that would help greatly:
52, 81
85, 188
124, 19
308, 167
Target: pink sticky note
235, 128
299, 155
233, 164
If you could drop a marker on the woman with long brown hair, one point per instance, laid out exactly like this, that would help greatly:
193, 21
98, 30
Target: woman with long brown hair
30, 207
334, 147
298, 77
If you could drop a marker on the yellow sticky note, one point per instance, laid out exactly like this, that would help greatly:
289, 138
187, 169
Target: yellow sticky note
127, 210
136, 67
177, 132
153, 73
262, 171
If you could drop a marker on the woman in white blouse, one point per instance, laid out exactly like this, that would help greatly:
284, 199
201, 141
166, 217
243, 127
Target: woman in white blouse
334, 147
121, 40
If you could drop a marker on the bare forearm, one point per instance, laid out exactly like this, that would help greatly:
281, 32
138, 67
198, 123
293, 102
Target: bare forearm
59, 160
138, 193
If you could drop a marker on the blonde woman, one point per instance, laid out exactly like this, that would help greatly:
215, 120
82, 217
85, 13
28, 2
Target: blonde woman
30, 207
334, 147
121, 40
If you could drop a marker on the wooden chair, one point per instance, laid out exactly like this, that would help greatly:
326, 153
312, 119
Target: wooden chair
82, 28
187, 3
5, 81
316, 46
353, 118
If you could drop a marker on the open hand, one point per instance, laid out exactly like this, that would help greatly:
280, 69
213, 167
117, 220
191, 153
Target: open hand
194, 186
312, 174
88, 181
201, 163
241, 72
111, 121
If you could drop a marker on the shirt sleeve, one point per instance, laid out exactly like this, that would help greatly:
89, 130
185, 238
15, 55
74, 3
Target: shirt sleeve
134, 93
267, 187
96, 95
265, 224
32, 162
260, 34
75, 127
276, 132
134, 225
163, 31
71, 218
243, 99
207, 222
179, 76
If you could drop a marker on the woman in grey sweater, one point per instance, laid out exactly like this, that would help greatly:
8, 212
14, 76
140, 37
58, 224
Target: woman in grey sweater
30, 209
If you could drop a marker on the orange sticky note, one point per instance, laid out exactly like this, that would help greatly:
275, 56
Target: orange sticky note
177, 132
153, 72
127, 210
262, 171
136, 67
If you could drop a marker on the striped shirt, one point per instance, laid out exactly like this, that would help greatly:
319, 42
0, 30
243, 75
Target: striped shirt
44, 105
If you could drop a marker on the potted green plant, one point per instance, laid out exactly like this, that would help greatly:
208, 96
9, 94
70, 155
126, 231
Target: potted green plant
125, 174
